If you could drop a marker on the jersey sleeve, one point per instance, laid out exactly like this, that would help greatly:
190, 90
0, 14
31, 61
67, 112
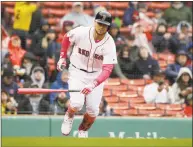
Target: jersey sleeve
110, 56
32, 7
74, 35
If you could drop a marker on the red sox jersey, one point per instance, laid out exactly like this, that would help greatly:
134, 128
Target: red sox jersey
88, 54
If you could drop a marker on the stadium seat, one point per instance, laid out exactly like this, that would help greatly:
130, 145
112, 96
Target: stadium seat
129, 112
113, 81
132, 100
159, 5
126, 93
162, 63
117, 88
143, 106
56, 28
89, 12
102, 4
107, 93
171, 30
53, 4
118, 5
112, 99
45, 12
8, 4
9, 10
58, 12
152, 113
116, 13
167, 57
136, 88
174, 107
179, 113
150, 14
68, 4
138, 82
121, 105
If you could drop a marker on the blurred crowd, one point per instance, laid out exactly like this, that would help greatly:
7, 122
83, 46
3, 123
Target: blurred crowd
30, 49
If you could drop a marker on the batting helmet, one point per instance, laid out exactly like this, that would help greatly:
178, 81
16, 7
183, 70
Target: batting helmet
104, 17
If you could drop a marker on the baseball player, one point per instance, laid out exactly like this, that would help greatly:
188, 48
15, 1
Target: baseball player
91, 63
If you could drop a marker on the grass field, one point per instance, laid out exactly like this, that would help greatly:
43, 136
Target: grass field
92, 142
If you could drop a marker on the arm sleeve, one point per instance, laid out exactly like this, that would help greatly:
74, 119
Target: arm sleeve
106, 71
65, 46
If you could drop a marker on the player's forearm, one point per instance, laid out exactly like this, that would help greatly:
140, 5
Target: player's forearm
106, 72
65, 46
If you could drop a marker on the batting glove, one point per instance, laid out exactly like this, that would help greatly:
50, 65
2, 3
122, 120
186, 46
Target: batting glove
89, 88
61, 64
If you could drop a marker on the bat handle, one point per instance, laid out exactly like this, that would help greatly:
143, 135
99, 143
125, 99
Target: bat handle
73, 90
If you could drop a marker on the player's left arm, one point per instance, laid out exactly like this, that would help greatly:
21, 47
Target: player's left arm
109, 60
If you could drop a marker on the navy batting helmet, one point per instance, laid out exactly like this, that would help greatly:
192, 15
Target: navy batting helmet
104, 17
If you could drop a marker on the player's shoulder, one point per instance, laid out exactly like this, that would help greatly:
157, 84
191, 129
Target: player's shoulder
110, 38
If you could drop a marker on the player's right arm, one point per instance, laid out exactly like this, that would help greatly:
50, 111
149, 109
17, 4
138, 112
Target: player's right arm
63, 53
69, 38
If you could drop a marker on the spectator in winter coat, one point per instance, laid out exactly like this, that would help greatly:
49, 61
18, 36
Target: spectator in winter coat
173, 69
145, 66
60, 83
163, 41
158, 91
183, 37
141, 38
189, 50
37, 77
115, 33
16, 53
178, 12
60, 105
126, 59
8, 83
131, 14
77, 16
34, 104
182, 87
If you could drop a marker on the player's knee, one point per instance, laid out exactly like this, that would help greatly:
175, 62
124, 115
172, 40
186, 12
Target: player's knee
76, 106
93, 112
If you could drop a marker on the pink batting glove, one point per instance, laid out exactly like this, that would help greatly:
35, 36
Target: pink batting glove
89, 88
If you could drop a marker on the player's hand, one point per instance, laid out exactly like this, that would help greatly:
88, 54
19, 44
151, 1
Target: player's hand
88, 88
61, 64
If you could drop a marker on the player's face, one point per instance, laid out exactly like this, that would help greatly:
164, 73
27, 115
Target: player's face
100, 28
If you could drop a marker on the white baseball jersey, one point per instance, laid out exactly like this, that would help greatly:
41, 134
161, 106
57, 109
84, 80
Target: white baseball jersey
88, 54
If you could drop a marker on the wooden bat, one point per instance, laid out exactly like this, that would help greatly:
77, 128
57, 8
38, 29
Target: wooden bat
42, 91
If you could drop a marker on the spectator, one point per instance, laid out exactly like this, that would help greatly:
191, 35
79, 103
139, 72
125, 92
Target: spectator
131, 14
173, 69
158, 19
98, 8
22, 19
37, 77
67, 26
77, 16
117, 37
182, 87
28, 63
176, 13
36, 18
60, 105
141, 38
8, 83
145, 66
158, 91
183, 37
39, 35
189, 50
16, 53
126, 59
8, 104
60, 83
6, 63
163, 41
34, 104
53, 48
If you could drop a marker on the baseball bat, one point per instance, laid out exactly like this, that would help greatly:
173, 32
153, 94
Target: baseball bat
42, 91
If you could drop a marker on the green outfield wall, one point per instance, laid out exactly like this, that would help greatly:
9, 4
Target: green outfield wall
120, 127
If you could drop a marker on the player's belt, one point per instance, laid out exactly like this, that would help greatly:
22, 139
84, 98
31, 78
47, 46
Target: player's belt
84, 70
